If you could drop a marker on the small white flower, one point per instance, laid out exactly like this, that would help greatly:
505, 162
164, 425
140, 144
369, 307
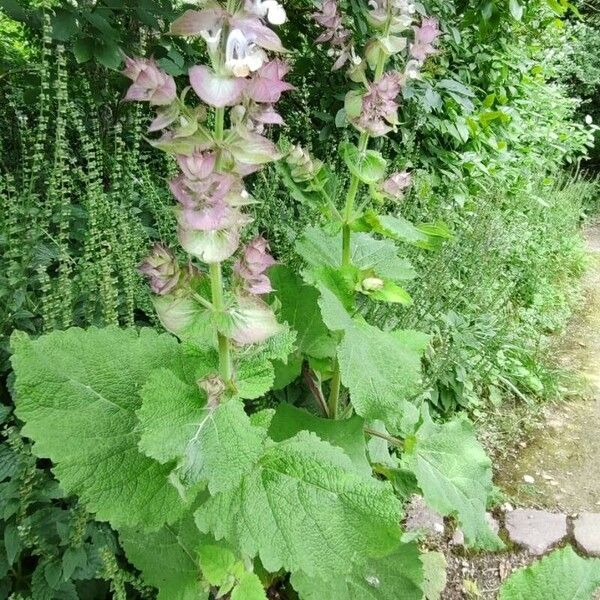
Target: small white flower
212, 38
242, 56
588, 119
413, 69
275, 12
269, 9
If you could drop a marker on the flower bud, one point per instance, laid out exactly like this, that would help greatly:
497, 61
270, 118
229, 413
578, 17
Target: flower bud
372, 284
162, 268
395, 185
150, 84
303, 167
251, 267
214, 387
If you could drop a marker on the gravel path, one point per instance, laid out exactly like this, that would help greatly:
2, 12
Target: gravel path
559, 467
563, 458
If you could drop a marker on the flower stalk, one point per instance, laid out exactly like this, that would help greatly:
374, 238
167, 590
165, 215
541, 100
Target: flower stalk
373, 110
243, 80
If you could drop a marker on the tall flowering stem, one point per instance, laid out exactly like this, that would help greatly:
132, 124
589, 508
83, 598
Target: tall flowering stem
372, 109
240, 87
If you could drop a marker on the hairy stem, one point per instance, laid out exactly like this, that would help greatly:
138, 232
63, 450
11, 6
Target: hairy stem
363, 142
216, 278
349, 206
219, 122
334, 391
216, 288
388, 438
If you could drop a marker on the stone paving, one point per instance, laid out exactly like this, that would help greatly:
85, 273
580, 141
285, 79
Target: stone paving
536, 531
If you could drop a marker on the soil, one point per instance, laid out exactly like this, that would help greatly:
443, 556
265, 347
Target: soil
561, 454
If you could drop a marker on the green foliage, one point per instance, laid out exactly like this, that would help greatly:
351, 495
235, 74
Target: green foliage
307, 489
455, 475
208, 499
87, 429
104, 30
562, 575
80, 203
50, 541
377, 580
167, 559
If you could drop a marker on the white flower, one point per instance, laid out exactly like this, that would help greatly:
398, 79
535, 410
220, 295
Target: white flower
412, 70
243, 56
588, 119
212, 38
269, 9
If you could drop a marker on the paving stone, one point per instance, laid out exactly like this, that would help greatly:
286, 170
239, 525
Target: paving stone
420, 517
586, 530
536, 530
458, 538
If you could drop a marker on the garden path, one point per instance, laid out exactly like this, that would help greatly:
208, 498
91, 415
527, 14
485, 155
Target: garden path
564, 456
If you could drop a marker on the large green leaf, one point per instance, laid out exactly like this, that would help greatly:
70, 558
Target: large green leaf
255, 366
381, 369
168, 559
562, 575
434, 574
394, 577
216, 444
304, 507
455, 475
347, 434
395, 227
77, 392
319, 249
300, 309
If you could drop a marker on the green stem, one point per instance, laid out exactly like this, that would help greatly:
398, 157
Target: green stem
334, 392
349, 206
363, 142
216, 288
219, 121
216, 277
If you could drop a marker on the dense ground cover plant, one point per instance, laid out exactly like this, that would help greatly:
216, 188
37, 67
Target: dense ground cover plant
150, 431
81, 200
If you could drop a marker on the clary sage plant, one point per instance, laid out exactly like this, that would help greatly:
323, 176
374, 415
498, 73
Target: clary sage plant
151, 430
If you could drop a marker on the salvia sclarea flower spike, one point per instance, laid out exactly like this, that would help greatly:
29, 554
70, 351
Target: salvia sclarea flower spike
245, 77
373, 110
